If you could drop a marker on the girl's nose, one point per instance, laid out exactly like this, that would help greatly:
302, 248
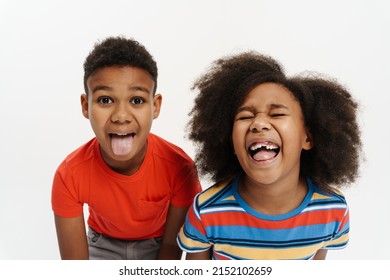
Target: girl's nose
260, 123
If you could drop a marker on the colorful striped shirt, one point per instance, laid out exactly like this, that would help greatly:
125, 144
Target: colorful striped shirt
220, 219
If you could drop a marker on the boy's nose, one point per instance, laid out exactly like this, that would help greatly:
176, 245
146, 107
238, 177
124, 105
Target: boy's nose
122, 114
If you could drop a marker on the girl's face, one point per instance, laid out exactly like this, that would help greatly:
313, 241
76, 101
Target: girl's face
269, 134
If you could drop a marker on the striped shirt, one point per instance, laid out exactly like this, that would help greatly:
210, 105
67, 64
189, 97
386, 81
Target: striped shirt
220, 219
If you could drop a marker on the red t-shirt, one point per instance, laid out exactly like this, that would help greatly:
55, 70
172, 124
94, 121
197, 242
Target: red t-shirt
125, 207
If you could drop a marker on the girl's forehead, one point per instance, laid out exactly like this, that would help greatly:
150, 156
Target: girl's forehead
269, 92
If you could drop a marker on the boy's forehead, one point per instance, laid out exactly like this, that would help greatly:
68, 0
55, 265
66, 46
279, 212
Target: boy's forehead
116, 72
115, 75
124, 68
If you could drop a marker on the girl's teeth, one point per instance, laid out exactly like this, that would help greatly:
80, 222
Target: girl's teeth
267, 146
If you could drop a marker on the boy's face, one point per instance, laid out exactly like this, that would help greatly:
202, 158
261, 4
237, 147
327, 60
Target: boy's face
269, 134
121, 107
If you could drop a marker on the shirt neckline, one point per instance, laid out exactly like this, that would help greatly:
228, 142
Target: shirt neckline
120, 176
263, 216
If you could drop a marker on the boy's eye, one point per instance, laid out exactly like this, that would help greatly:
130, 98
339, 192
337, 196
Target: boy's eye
104, 100
137, 101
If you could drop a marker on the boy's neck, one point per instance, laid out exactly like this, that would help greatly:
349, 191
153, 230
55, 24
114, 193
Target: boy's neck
273, 199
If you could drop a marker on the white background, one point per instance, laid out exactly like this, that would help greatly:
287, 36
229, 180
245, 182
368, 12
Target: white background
43, 45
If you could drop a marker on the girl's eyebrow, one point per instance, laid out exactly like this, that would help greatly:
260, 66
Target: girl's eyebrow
245, 108
278, 106
252, 109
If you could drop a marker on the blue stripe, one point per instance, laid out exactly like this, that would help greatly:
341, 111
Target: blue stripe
193, 233
216, 197
275, 236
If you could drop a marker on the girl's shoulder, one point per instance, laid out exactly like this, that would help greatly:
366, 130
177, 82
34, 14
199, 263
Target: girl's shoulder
218, 190
328, 195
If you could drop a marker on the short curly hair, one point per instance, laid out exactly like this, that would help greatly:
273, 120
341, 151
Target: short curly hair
329, 112
119, 51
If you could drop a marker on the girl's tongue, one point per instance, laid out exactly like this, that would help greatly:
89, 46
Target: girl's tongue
264, 154
121, 144
263, 151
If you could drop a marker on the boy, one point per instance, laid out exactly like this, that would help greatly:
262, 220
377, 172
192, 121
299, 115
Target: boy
138, 186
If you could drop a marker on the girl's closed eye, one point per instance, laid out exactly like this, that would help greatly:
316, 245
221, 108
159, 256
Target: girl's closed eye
275, 115
278, 110
244, 116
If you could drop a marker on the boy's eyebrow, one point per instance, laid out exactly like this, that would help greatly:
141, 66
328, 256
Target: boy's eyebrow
139, 88
108, 88
100, 87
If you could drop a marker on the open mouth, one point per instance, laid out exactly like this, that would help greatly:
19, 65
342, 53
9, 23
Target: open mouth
263, 151
121, 134
121, 143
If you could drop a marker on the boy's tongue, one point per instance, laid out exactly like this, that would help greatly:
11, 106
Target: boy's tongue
264, 154
121, 145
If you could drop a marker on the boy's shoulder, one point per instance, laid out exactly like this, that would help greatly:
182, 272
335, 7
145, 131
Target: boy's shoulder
81, 155
167, 151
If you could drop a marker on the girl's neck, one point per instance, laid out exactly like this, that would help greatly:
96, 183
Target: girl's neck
273, 199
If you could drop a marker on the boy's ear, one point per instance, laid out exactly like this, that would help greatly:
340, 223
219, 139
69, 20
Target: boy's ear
84, 105
157, 100
308, 144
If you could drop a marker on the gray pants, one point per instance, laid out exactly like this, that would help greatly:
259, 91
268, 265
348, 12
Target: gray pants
102, 247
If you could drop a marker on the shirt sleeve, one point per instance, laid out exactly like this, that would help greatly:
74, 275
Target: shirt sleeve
187, 185
192, 237
64, 198
341, 235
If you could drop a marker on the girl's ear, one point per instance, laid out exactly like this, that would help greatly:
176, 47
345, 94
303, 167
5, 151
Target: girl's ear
308, 143
84, 105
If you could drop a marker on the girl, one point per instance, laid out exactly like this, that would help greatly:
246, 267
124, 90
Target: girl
276, 146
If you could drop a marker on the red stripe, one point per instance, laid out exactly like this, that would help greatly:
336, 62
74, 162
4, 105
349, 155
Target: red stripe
344, 221
220, 257
194, 221
244, 219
